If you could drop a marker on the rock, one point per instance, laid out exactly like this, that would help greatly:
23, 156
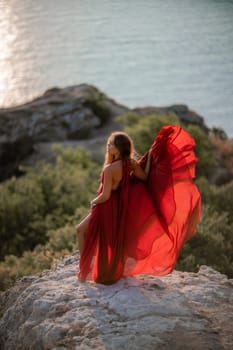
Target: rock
70, 113
178, 311
12, 153
65, 115
182, 111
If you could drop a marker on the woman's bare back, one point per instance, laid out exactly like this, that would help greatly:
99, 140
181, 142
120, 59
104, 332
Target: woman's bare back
116, 169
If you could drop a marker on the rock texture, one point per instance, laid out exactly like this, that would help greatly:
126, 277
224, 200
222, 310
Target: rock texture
182, 111
65, 115
56, 311
70, 113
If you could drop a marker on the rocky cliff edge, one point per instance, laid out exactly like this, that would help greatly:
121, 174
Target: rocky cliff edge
179, 311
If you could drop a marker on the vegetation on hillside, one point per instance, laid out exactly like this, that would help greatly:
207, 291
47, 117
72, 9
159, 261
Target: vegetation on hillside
39, 211
35, 210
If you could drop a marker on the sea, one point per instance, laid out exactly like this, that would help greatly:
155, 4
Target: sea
138, 52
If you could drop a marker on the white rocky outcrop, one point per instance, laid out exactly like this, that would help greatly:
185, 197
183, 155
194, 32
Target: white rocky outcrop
56, 311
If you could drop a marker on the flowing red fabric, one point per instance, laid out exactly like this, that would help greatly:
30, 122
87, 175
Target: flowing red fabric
143, 226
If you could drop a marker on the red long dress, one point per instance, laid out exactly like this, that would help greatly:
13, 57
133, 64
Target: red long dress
143, 226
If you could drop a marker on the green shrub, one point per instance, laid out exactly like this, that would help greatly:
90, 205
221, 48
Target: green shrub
44, 199
204, 150
21, 204
97, 101
220, 198
212, 245
61, 242
143, 131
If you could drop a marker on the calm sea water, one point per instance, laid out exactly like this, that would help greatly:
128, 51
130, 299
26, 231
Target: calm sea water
139, 52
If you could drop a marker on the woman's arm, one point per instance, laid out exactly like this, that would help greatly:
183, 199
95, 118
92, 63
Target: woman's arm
107, 188
138, 171
148, 164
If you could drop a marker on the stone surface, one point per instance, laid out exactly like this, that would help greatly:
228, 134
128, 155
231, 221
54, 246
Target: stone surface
66, 115
182, 111
71, 113
56, 311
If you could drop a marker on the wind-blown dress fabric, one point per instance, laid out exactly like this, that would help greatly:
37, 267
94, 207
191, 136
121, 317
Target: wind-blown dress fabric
143, 226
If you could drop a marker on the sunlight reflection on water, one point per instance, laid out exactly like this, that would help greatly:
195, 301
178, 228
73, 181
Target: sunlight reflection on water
139, 53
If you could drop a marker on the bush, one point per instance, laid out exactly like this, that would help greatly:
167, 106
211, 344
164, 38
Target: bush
97, 102
61, 243
44, 199
212, 245
204, 150
220, 198
143, 131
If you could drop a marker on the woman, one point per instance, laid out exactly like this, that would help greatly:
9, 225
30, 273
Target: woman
144, 212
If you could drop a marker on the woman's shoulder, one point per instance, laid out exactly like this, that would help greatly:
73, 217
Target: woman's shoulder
107, 168
118, 165
112, 166
133, 162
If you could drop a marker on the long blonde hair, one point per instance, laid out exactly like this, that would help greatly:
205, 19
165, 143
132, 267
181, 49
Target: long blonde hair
123, 143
